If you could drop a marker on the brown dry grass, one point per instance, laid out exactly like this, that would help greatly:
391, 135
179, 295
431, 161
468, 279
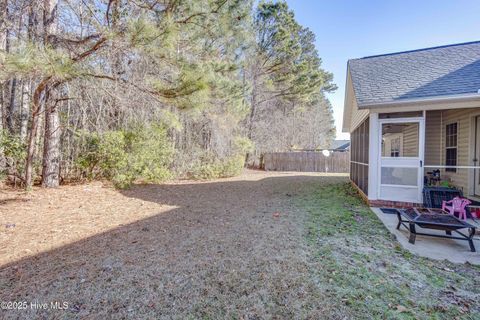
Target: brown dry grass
227, 248
46, 219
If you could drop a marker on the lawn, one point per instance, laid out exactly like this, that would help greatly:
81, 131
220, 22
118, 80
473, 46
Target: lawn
258, 246
361, 266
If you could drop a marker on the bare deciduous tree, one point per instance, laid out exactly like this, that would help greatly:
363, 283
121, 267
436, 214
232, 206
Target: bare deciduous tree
89, 76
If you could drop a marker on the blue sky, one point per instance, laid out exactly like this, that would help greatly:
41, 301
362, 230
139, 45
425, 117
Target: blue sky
348, 29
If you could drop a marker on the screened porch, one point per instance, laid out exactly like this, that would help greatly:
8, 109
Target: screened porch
394, 155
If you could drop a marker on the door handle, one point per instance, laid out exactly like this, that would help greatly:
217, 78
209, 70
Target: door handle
421, 163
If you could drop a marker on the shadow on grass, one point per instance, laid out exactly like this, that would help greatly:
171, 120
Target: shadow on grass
220, 253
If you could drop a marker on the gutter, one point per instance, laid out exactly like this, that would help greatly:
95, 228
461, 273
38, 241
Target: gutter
428, 100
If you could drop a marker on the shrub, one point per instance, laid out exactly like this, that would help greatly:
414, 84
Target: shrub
233, 166
215, 168
150, 154
123, 157
242, 145
210, 166
12, 155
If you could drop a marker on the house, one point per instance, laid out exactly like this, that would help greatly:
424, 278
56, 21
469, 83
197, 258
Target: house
340, 145
412, 112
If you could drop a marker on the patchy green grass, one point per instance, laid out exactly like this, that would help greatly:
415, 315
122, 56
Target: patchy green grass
366, 273
259, 246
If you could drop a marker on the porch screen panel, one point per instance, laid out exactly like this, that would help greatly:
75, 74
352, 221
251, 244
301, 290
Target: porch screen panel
359, 156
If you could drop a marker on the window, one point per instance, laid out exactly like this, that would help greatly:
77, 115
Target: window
395, 148
451, 146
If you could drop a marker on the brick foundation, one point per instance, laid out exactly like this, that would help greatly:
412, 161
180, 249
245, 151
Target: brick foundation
393, 204
385, 203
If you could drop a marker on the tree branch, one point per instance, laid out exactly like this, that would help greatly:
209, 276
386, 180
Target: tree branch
55, 39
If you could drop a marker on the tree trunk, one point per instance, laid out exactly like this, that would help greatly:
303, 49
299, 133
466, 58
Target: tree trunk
51, 148
2, 153
25, 110
51, 143
11, 106
3, 47
3, 26
2, 99
251, 118
49, 18
27, 82
36, 107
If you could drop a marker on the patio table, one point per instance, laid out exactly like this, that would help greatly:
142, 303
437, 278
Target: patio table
434, 219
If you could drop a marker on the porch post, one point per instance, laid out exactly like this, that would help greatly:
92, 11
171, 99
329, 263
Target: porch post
373, 155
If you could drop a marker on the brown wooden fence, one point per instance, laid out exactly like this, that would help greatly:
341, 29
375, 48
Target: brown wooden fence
307, 161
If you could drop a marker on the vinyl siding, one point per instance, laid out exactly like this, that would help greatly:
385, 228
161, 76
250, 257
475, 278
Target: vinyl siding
357, 116
436, 122
433, 138
410, 141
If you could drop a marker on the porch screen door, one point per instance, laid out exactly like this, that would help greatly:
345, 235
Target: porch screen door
401, 159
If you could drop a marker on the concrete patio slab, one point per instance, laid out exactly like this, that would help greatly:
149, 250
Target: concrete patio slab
456, 251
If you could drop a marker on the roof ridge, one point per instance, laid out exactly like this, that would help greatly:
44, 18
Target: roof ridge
417, 50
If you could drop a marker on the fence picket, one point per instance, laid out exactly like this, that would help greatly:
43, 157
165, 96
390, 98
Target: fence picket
307, 161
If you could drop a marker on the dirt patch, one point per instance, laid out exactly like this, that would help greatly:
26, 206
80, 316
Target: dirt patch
224, 248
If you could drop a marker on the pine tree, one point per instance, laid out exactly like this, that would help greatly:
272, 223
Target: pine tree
285, 65
211, 72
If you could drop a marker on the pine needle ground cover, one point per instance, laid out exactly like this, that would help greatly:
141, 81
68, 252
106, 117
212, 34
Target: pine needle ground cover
258, 246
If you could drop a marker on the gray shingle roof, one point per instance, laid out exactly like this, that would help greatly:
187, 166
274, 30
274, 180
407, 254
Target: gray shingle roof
438, 71
340, 144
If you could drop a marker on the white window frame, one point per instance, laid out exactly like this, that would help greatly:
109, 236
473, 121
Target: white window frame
449, 170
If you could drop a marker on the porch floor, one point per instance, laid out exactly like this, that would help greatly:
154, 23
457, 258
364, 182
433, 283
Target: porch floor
456, 251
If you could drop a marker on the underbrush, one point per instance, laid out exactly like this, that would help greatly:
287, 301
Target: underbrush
12, 157
143, 153
123, 157
361, 265
218, 168
204, 165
